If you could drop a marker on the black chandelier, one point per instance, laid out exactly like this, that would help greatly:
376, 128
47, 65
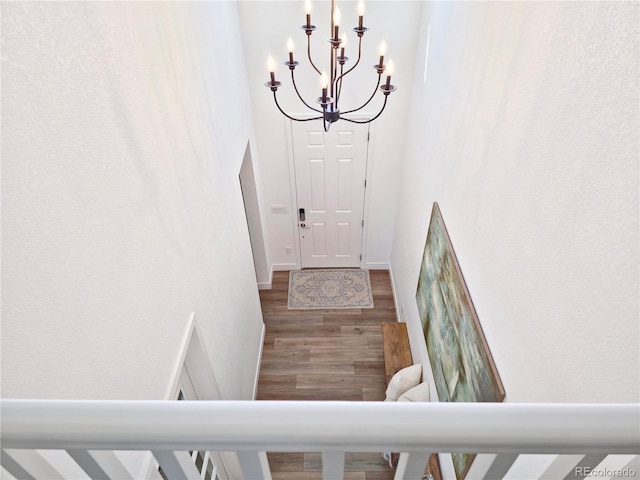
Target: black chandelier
332, 84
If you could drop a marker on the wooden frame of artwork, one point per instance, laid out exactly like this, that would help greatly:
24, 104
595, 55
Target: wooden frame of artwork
462, 364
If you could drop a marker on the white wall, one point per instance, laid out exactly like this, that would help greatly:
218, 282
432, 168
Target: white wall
526, 134
266, 26
124, 126
251, 200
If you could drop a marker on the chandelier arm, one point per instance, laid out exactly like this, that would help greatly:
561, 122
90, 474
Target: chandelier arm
370, 98
300, 96
339, 85
357, 61
333, 51
309, 55
334, 83
330, 112
334, 86
371, 119
289, 116
333, 68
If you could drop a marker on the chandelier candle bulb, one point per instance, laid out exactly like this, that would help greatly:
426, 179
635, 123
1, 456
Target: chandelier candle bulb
360, 13
290, 48
324, 82
337, 18
389, 69
271, 66
382, 49
343, 43
307, 10
324, 79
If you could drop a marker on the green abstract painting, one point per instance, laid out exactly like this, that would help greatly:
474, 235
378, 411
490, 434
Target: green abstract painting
462, 364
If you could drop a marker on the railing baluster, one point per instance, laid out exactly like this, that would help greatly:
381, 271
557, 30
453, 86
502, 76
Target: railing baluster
571, 466
633, 464
100, 464
561, 467
412, 465
177, 465
500, 466
111, 464
255, 465
155, 474
586, 464
31, 462
84, 459
480, 466
14, 468
332, 465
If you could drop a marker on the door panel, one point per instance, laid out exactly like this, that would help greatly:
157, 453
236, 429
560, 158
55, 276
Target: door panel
330, 170
319, 239
316, 184
345, 181
343, 247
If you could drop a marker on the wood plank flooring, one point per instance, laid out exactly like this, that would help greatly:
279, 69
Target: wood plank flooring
324, 355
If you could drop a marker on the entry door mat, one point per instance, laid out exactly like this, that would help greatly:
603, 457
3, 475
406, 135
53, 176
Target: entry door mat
329, 289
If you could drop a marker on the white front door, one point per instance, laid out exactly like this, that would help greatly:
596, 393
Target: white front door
330, 171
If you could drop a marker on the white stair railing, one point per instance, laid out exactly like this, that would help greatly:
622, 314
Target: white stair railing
90, 430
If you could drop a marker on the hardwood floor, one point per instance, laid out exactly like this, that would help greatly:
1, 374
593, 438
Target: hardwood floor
324, 355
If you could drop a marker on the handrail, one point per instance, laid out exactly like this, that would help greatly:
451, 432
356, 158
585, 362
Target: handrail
319, 426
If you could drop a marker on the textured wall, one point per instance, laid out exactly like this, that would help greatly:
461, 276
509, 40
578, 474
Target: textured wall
525, 131
123, 129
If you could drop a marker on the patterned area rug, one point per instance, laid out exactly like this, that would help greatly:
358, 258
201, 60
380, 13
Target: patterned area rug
328, 289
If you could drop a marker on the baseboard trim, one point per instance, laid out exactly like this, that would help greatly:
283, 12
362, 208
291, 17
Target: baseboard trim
395, 296
279, 267
267, 285
260, 349
377, 266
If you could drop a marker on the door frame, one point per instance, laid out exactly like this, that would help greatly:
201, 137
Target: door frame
253, 213
294, 192
194, 359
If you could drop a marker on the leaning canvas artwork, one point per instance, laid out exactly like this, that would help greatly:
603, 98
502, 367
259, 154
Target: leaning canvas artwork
462, 364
